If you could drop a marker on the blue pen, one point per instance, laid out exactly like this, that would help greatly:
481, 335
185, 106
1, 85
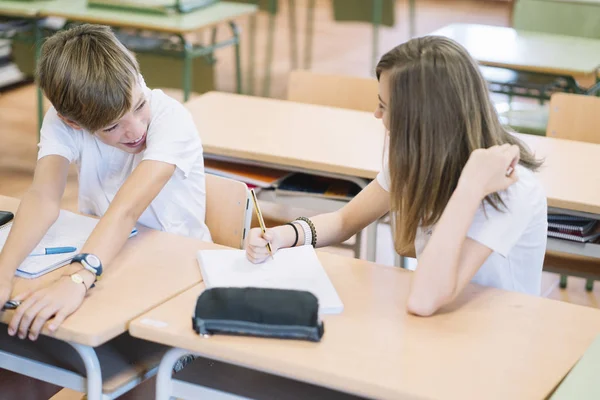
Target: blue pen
53, 250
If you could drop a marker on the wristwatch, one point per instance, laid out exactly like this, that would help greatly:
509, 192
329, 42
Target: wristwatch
91, 263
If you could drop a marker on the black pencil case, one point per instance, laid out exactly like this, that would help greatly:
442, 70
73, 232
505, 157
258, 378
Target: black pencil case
272, 313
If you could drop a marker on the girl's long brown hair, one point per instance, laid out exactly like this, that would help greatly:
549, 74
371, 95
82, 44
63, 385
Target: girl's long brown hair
439, 112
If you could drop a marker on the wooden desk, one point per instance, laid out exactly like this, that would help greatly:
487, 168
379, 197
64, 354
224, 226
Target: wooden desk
144, 274
177, 24
346, 143
21, 9
193, 21
288, 135
318, 140
343, 142
567, 173
527, 51
491, 345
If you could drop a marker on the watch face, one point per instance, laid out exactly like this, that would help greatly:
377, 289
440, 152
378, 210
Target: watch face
93, 261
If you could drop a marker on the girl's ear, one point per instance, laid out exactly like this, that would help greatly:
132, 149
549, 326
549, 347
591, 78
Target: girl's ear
69, 122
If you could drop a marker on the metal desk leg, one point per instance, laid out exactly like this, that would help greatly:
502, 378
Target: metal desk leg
238, 61
187, 68
40, 97
377, 17
412, 11
252, 52
399, 261
563, 281
310, 23
372, 242
293, 28
165, 372
589, 285
270, 45
92, 369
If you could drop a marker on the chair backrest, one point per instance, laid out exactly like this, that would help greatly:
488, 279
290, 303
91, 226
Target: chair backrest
228, 210
574, 117
341, 91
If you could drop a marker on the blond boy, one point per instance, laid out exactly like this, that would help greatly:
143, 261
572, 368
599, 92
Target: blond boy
139, 158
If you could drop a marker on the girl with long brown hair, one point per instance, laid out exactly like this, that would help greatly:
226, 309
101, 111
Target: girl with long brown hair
460, 187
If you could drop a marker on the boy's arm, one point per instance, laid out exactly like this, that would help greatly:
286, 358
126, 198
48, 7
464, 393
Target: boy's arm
38, 210
132, 199
64, 297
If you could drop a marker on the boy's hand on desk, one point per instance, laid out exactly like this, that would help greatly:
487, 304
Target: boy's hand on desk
256, 248
59, 300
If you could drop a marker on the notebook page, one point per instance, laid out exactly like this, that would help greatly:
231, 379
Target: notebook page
297, 268
70, 229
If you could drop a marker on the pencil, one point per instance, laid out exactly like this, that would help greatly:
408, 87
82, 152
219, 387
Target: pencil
261, 222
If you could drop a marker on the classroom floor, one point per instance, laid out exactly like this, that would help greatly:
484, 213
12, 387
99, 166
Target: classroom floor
338, 48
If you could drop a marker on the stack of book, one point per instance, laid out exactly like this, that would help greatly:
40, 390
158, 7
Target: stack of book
9, 72
154, 6
252, 175
569, 227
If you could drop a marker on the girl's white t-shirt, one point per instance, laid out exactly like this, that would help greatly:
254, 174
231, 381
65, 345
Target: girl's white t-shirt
180, 207
517, 236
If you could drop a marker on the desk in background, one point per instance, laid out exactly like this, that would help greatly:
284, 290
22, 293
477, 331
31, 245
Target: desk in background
491, 344
527, 51
323, 141
529, 64
176, 25
350, 145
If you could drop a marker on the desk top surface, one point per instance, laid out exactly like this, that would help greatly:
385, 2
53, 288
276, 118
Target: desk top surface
152, 267
289, 134
526, 50
25, 9
174, 23
491, 344
300, 136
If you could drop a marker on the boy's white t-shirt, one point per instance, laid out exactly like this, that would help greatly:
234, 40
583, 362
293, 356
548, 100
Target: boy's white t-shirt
180, 207
517, 236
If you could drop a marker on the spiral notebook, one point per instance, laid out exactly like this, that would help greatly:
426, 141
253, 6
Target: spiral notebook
70, 229
297, 268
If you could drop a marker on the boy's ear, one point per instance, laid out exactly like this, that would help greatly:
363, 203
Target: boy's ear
69, 122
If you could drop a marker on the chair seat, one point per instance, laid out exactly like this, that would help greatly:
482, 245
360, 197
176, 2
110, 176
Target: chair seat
122, 360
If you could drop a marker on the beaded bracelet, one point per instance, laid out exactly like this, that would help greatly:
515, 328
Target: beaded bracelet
296, 231
312, 230
307, 231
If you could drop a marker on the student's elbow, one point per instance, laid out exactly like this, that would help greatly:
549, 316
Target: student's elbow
426, 304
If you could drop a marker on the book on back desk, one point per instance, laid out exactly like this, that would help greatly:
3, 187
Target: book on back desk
251, 175
317, 186
576, 229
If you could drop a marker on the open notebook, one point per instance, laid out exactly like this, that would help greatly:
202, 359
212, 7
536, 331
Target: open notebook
297, 268
70, 229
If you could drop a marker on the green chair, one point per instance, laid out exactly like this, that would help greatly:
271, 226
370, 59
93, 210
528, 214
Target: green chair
377, 12
564, 17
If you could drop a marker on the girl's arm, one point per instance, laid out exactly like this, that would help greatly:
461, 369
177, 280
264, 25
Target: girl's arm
368, 206
64, 297
450, 259
37, 211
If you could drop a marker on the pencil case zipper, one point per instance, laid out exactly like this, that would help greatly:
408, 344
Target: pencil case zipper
209, 326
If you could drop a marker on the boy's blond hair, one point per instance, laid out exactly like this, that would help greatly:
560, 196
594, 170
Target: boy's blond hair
88, 75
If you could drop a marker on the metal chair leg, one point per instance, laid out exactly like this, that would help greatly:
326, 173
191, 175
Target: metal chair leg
563, 282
